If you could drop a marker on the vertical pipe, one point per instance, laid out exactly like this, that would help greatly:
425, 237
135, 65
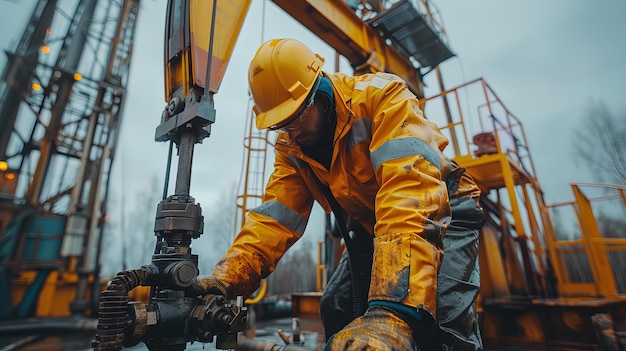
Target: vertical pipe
185, 157
446, 106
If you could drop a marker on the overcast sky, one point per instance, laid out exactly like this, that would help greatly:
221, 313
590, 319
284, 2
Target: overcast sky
545, 59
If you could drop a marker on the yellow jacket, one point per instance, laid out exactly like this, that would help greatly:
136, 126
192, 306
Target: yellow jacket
387, 171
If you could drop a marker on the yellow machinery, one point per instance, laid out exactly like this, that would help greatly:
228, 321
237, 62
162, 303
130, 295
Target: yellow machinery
545, 284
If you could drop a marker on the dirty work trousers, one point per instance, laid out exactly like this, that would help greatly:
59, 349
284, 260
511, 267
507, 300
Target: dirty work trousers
458, 284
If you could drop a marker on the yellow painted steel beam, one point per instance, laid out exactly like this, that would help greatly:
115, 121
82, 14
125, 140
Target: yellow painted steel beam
336, 24
594, 245
494, 283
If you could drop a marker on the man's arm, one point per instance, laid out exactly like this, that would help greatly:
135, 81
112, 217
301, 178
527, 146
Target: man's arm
412, 205
268, 231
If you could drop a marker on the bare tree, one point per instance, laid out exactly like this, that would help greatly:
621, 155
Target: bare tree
139, 231
112, 252
129, 239
295, 272
600, 144
218, 229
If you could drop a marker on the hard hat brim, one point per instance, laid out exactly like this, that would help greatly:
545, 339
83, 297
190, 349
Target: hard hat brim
284, 113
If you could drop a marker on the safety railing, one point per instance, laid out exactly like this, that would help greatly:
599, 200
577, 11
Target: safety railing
588, 244
477, 123
492, 126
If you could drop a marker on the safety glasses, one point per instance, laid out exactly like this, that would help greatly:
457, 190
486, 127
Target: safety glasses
297, 121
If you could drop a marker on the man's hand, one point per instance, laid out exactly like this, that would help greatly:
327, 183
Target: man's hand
206, 285
379, 328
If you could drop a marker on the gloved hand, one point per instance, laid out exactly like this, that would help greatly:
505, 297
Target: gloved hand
209, 284
380, 328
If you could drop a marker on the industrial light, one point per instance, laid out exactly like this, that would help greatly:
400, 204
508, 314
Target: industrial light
45, 49
3, 166
35, 86
9, 176
78, 76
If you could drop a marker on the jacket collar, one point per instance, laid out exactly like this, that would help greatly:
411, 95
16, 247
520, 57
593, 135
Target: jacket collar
343, 96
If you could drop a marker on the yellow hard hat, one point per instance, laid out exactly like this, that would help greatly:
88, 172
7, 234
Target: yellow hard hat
281, 76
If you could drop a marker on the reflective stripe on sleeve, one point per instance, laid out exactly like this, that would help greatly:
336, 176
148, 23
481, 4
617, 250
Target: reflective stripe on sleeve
283, 215
396, 148
379, 82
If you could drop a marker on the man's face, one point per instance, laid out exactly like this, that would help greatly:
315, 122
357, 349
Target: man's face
309, 128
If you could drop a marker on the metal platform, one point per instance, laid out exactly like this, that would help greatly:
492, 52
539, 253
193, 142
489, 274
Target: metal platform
410, 30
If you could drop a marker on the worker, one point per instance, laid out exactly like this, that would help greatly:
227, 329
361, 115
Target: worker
361, 146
